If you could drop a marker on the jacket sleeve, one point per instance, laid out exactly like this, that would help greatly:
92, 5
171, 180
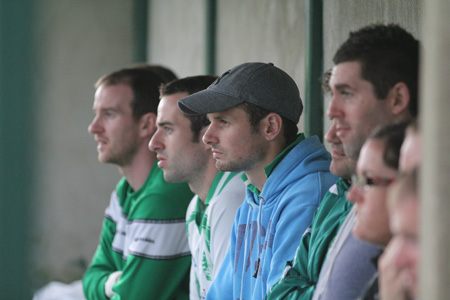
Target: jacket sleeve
302, 274
102, 264
105, 260
287, 238
141, 277
293, 285
144, 278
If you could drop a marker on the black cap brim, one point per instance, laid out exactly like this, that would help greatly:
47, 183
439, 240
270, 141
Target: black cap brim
207, 101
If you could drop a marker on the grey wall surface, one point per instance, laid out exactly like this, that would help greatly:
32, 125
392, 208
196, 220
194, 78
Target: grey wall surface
177, 35
263, 30
78, 41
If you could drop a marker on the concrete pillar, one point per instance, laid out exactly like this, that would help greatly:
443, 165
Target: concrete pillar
435, 123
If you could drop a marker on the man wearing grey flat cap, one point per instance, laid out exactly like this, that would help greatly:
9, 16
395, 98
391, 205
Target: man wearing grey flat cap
254, 109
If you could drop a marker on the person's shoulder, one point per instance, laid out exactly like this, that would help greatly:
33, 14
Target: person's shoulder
231, 188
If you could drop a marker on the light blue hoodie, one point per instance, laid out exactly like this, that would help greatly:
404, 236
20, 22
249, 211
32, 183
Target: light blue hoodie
268, 227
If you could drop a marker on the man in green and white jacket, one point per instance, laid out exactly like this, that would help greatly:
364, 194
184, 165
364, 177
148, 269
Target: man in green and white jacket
143, 232
184, 158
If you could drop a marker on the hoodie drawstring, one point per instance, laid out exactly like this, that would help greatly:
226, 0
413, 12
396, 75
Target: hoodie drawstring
245, 251
258, 262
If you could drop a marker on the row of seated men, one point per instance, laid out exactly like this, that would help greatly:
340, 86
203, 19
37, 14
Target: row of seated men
222, 198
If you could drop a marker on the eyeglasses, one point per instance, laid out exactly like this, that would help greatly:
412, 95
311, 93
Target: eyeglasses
367, 182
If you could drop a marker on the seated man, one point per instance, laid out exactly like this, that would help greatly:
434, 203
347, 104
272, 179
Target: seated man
144, 233
184, 158
254, 109
374, 81
301, 274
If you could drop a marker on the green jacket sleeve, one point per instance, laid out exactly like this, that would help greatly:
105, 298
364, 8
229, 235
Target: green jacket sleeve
103, 264
301, 274
148, 279
141, 277
294, 285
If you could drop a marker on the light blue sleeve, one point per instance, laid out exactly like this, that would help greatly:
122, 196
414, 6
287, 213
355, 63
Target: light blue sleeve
295, 215
289, 230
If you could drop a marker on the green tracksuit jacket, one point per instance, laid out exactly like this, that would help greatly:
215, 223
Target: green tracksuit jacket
301, 274
144, 236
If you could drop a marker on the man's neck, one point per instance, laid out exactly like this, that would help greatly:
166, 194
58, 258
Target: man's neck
138, 170
257, 175
201, 184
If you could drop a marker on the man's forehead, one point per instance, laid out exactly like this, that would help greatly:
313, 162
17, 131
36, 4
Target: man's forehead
233, 111
345, 71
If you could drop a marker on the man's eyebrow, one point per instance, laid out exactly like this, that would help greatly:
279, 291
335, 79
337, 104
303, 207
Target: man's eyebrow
103, 109
164, 123
219, 115
341, 86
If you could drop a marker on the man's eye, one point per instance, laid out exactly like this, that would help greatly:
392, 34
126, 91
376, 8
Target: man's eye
346, 93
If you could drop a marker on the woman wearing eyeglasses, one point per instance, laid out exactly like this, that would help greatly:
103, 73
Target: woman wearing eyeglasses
376, 169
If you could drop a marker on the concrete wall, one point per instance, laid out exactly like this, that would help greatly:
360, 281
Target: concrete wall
177, 35
263, 30
77, 42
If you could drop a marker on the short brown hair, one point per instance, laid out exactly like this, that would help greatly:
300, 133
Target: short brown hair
144, 81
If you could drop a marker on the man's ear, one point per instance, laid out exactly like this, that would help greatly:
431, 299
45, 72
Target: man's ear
399, 98
272, 126
147, 124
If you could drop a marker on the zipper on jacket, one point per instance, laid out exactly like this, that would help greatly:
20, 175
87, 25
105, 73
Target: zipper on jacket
258, 262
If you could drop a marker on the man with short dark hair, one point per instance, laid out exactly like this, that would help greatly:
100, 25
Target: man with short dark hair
144, 232
184, 158
374, 81
254, 109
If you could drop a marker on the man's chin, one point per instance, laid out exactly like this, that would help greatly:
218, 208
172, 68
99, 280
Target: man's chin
170, 177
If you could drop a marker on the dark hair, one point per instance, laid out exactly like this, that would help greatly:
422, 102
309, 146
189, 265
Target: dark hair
144, 81
388, 55
190, 85
392, 135
167, 74
325, 81
256, 114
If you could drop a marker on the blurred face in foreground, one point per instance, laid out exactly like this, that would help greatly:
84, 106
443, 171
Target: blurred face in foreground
411, 151
369, 194
405, 223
